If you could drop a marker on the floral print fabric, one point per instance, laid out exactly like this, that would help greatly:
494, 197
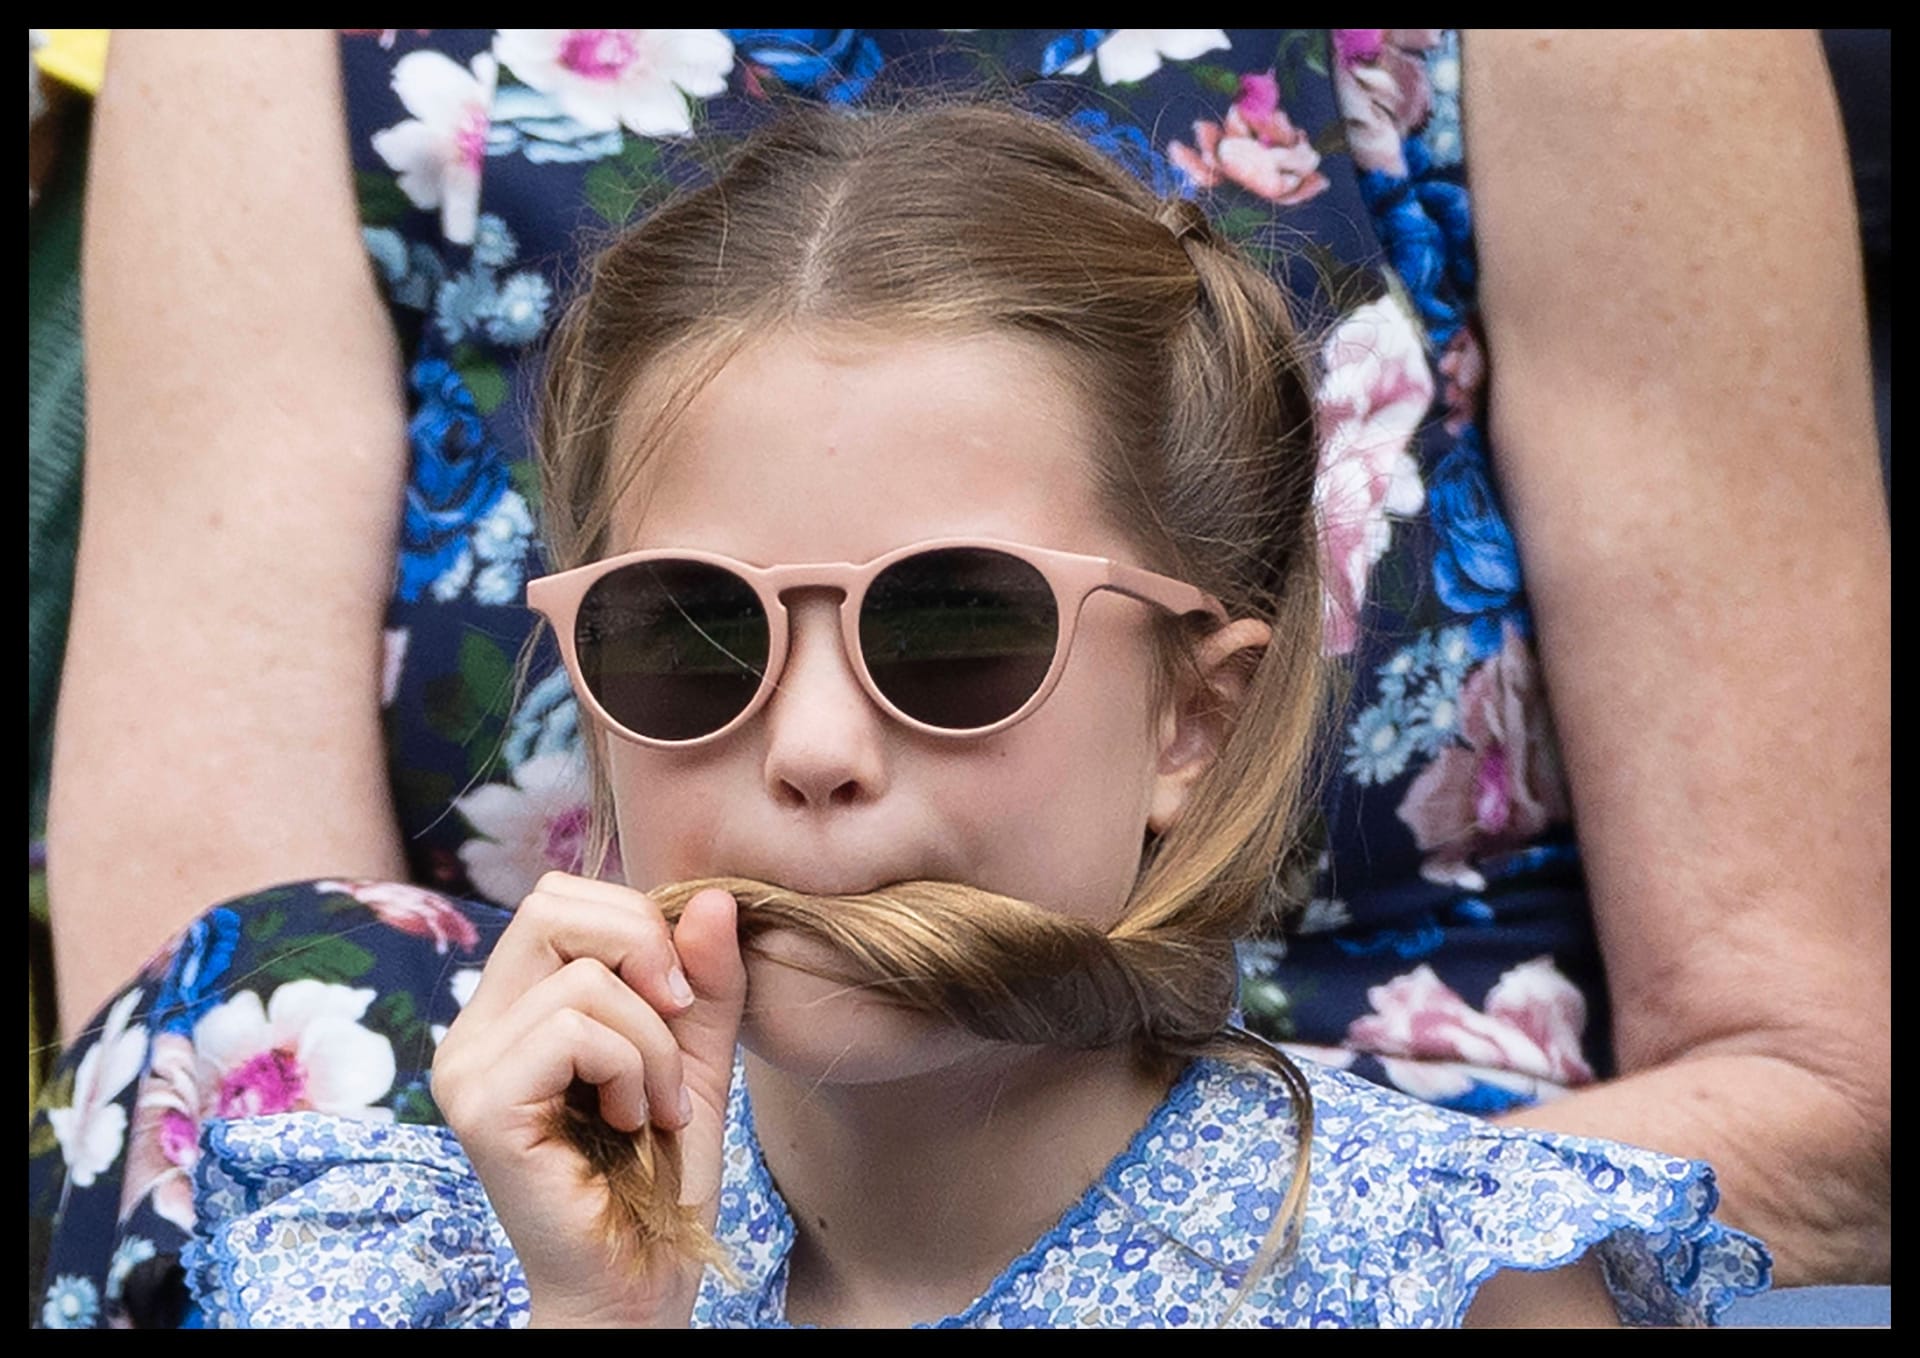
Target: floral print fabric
323, 997
1447, 948
308, 1220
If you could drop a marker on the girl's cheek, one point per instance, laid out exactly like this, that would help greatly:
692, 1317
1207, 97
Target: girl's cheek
689, 850
666, 839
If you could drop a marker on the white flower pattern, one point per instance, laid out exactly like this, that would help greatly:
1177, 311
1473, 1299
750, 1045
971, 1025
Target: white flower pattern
92, 1129
438, 152
528, 827
604, 78
1128, 54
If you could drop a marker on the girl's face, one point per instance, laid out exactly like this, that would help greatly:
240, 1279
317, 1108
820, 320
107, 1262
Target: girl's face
812, 448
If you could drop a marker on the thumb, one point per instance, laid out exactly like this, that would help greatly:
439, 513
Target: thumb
707, 938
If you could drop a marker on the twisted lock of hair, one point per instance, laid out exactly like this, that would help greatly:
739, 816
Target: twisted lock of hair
998, 967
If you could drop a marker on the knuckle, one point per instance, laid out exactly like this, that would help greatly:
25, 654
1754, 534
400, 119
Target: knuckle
448, 1092
537, 911
584, 973
576, 1029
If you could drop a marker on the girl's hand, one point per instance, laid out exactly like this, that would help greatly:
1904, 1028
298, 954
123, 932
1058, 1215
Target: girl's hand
589, 984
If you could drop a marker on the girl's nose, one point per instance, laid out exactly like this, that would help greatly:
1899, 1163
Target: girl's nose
826, 741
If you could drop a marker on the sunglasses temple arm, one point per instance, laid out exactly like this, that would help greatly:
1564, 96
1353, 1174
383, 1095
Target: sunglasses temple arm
1176, 596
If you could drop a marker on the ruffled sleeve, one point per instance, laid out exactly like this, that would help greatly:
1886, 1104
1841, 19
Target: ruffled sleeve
1495, 1198
312, 1221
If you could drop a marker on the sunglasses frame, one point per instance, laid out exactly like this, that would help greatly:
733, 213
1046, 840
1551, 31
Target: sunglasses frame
1072, 577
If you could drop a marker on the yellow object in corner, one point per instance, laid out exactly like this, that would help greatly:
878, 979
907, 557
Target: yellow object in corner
75, 56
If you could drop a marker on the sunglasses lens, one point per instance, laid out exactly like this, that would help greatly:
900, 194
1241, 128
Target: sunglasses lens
961, 637
673, 650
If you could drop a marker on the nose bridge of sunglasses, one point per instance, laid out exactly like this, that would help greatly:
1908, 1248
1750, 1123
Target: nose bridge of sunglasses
792, 595
814, 615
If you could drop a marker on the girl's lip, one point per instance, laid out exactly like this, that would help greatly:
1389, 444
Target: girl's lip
814, 883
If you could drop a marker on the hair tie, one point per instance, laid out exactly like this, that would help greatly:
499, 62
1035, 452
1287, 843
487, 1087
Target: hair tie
1186, 221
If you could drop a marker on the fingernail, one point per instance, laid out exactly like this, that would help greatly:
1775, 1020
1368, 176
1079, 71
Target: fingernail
686, 1105
678, 987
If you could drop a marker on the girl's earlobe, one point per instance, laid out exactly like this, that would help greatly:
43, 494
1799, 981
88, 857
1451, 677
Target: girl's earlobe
1198, 728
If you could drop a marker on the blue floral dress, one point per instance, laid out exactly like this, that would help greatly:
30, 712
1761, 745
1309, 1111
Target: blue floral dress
1447, 950
310, 1220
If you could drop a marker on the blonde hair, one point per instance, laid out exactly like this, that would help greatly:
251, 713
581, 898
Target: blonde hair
964, 220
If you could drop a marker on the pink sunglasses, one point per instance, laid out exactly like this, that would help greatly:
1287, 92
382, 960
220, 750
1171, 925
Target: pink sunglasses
953, 636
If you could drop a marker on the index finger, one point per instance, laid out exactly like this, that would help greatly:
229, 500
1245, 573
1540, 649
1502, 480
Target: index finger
565, 918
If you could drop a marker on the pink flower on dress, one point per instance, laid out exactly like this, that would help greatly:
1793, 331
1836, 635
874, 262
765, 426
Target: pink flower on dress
1464, 365
1381, 84
1535, 999
1532, 1026
534, 825
1375, 391
92, 1129
166, 1134
413, 910
1257, 147
304, 1049
1353, 45
604, 78
439, 150
1503, 786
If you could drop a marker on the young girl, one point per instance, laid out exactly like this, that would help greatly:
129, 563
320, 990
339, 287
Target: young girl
934, 532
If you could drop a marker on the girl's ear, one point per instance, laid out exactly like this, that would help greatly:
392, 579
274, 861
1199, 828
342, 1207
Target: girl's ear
1196, 726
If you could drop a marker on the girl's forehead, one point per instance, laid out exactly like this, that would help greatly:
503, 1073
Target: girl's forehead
811, 447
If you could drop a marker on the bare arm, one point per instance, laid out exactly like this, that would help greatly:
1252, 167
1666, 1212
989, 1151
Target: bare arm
1682, 408
219, 722
1570, 1298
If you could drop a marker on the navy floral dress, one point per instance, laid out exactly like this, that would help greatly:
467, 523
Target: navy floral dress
1447, 950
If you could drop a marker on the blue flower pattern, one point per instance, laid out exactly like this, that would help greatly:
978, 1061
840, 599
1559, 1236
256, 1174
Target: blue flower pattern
1129, 146
1068, 48
479, 306
412, 272
457, 480
1425, 225
1417, 710
833, 64
191, 986
1476, 567
72, 1303
526, 122
1410, 1209
547, 722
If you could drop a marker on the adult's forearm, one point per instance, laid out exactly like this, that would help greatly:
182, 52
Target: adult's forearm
1689, 465
1800, 1164
219, 724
